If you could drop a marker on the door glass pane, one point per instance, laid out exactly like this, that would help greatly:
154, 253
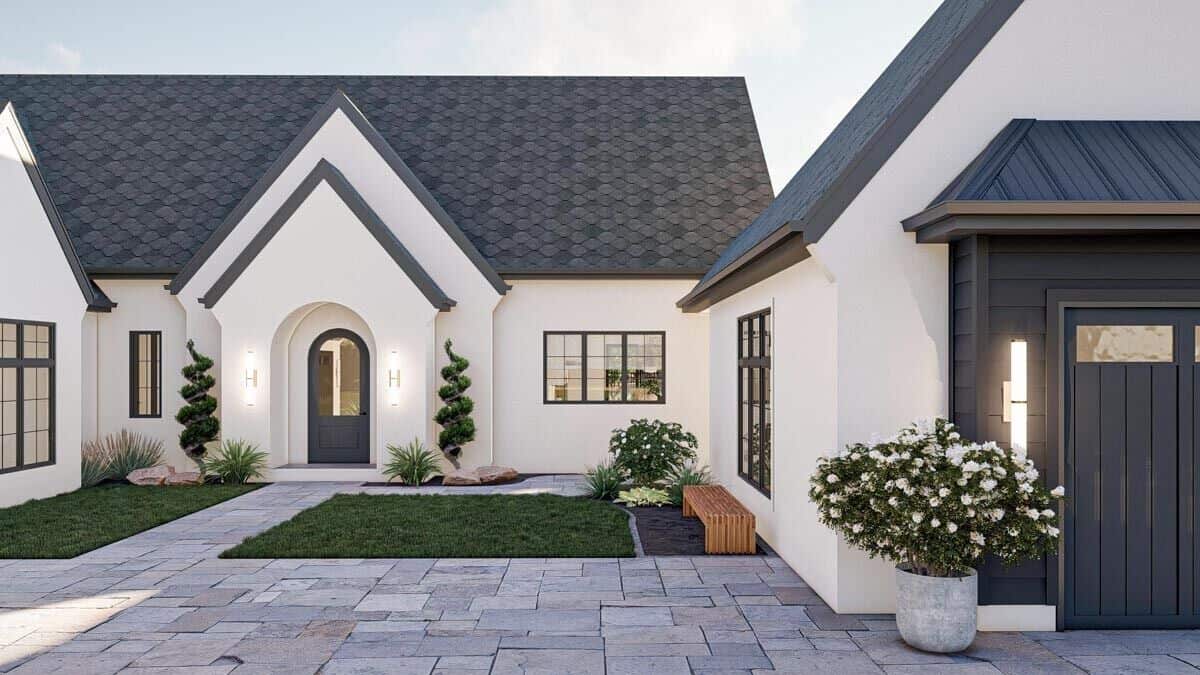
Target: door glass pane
1118, 344
338, 375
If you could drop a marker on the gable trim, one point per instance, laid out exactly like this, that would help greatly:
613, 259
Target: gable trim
873, 154
339, 101
326, 172
96, 300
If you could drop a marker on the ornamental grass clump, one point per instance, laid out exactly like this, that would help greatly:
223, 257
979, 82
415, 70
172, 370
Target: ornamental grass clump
650, 450
931, 500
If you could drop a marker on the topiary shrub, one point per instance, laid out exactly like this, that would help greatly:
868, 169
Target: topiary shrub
200, 427
455, 417
412, 463
650, 450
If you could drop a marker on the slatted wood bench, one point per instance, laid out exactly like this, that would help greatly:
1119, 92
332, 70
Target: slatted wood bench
728, 526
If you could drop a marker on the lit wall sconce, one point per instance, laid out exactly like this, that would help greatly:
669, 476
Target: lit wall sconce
250, 379
1016, 395
393, 378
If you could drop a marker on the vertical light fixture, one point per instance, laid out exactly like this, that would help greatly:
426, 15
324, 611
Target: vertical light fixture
1016, 395
250, 379
393, 381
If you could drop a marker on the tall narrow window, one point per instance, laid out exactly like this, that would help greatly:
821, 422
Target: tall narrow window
754, 399
605, 367
145, 374
26, 394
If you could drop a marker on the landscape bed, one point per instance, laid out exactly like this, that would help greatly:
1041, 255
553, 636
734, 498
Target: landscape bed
74, 523
447, 526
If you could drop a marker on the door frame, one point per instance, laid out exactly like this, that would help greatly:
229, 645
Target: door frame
1058, 301
364, 368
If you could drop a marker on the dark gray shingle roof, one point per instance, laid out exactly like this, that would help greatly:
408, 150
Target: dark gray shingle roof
543, 174
1038, 160
894, 104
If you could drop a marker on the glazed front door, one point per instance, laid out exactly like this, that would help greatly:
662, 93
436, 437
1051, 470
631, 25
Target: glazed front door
339, 417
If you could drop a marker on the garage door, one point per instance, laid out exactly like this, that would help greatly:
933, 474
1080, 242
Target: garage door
1129, 468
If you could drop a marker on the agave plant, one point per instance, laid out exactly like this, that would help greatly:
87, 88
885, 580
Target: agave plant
95, 464
687, 474
236, 461
412, 463
117, 455
604, 481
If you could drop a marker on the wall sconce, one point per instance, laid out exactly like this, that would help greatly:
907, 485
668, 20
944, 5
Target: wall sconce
393, 378
250, 379
1016, 395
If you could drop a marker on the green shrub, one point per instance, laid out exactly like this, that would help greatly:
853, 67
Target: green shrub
687, 474
200, 426
236, 461
124, 452
650, 450
644, 496
95, 465
412, 463
604, 481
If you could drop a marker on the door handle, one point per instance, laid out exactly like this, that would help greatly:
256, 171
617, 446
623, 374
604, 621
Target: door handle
362, 412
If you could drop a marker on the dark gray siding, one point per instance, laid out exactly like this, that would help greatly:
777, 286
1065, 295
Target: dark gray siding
999, 289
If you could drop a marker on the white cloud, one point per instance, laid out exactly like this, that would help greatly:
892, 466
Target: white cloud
56, 58
614, 37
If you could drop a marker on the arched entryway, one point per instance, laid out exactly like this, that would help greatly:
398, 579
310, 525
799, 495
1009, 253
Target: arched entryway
339, 399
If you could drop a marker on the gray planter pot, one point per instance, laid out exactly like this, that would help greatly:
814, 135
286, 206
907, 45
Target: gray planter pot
936, 614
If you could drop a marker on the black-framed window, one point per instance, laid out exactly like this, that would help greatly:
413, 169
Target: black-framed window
145, 373
604, 367
754, 399
26, 394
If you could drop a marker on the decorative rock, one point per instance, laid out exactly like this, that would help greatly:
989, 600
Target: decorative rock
495, 474
155, 475
461, 477
185, 478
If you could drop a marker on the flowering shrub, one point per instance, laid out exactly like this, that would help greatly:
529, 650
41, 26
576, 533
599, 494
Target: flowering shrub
650, 450
928, 498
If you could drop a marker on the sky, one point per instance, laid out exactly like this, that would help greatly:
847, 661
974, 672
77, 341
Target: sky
805, 61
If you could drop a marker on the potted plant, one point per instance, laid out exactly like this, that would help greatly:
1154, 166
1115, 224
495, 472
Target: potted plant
936, 504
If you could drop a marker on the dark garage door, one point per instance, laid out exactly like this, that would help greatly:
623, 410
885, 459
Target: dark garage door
1129, 468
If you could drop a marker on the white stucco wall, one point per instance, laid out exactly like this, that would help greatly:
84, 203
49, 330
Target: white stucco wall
535, 437
38, 285
142, 304
803, 304
1054, 59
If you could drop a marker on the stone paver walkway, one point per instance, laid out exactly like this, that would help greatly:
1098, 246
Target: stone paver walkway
161, 602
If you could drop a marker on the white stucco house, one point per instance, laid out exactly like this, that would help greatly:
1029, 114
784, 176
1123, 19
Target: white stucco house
1003, 230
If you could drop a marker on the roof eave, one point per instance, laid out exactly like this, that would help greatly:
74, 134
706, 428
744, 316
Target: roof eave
781, 250
949, 221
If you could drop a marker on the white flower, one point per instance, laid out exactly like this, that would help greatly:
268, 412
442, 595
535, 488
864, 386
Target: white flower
966, 500
918, 517
1052, 531
997, 514
831, 478
970, 467
944, 492
935, 522
856, 528
977, 538
935, 502
893, 501
835, 513
1059, 492
987, 484
1047, 513
1033, 513
951, 528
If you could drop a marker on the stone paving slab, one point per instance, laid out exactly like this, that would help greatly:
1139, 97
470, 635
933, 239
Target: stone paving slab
163, 602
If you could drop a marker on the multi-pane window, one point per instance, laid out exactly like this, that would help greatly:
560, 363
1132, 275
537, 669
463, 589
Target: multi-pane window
145, 374
26, 394
754, 399
605, 367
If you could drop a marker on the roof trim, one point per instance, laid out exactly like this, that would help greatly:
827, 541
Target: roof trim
600, 273
778, 252
338, 101
326, 172
96, 300
873, 154
949, 221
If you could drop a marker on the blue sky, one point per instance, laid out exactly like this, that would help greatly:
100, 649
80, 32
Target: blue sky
805, 61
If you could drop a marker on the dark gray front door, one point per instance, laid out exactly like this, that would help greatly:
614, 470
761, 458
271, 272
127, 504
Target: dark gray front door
339, 402
1130, 475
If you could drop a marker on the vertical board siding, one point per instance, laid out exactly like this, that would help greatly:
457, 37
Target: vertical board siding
998, 288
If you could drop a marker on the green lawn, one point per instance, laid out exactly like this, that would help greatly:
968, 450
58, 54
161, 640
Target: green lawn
447, 526
77, 522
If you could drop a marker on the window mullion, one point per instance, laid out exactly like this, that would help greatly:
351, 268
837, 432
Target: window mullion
583, 340
624, 367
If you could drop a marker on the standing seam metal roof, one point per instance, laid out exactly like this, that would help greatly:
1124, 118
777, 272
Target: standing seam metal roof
543, 174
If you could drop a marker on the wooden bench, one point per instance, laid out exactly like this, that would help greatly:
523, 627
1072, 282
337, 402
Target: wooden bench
728, 526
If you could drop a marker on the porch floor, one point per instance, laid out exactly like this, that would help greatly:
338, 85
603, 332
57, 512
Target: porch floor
162, 599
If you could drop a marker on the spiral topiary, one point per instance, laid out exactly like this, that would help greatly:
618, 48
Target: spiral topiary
196, 415
455, 417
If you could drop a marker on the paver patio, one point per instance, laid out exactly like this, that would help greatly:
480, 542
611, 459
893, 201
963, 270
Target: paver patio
162, 602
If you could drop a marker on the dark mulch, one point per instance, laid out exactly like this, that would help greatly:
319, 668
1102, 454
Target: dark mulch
437, 480
664, 531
